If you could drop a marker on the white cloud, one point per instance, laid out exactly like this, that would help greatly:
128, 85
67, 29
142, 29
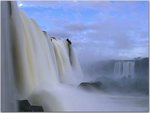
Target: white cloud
118, 29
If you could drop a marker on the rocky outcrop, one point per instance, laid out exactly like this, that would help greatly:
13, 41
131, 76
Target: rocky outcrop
90, 85
142, 75
142, 67
25, 106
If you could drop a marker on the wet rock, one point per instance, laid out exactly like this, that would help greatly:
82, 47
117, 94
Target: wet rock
53, 38
68, 41
37, 109
25, 106
90, 85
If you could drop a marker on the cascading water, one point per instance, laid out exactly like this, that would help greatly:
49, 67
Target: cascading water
41, 62
117, 69
124, 69
46, 71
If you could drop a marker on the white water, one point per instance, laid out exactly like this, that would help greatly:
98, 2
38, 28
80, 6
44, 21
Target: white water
42, 63
48, 75
124, 69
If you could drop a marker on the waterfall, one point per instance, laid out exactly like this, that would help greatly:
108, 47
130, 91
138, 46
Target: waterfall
117, 69
124, 69
8, 88
41, 62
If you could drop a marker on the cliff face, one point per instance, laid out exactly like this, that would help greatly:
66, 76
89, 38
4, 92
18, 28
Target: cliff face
142, 75
141, 68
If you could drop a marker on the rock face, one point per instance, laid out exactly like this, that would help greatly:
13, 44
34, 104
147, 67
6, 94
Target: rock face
90, 85
69, 41
37, 109
25, 106
142, 67
142, 75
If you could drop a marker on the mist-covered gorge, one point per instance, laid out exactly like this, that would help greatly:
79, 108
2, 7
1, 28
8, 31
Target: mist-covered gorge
126, 76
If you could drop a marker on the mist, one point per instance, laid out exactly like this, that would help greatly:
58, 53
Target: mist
103, 71
92, 59
101, 37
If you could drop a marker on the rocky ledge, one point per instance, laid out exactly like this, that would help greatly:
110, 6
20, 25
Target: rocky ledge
25, 106
90, 85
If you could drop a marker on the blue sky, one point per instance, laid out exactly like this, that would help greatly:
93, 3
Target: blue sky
99, 30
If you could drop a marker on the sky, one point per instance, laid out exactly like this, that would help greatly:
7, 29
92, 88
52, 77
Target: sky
98, 29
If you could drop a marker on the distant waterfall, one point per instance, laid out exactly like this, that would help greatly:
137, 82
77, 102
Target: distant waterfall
124, 69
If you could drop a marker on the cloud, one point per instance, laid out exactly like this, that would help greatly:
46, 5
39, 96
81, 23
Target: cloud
59, 34
77, 27
98, 29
